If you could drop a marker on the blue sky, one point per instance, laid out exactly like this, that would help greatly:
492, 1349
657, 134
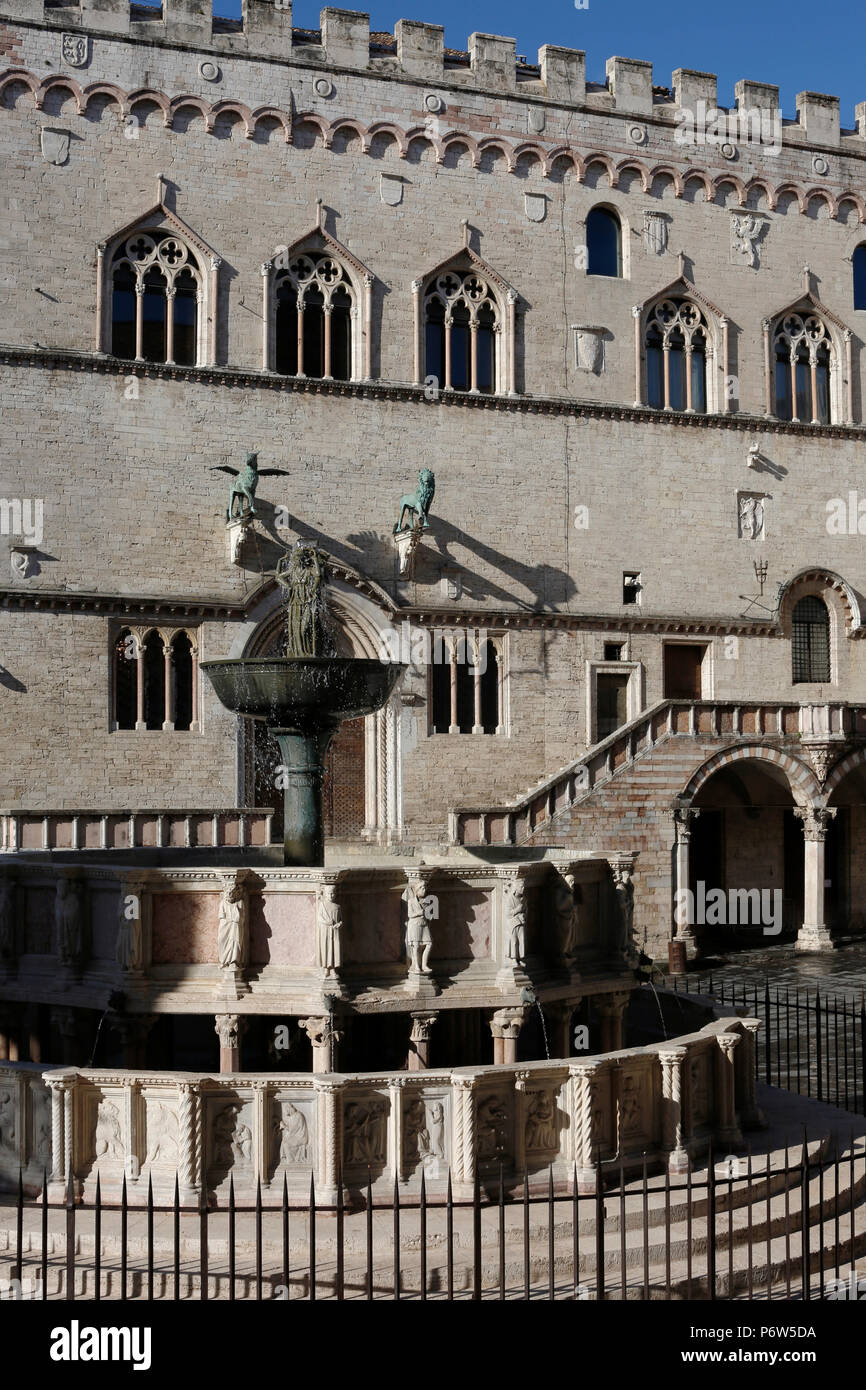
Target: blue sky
801, 45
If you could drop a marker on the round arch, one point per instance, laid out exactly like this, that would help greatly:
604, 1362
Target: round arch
800, 778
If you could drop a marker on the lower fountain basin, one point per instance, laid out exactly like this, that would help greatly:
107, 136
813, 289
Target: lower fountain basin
304, 691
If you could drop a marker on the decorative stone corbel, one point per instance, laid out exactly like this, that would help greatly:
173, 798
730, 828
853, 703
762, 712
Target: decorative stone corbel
622, 869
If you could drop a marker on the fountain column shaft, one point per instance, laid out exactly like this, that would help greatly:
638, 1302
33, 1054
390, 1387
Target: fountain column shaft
302, 756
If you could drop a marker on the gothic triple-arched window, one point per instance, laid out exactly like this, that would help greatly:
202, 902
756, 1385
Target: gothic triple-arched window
155, 679
315, 316
467, 685
677, 342
462, 332
156, 299
803, 353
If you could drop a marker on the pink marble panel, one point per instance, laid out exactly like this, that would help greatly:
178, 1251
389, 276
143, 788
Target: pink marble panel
283, 929
373, 927
61, 834
118, 832
185, 928
463, 929
90, 832
148, 830
229, 830
201, 830
31, 833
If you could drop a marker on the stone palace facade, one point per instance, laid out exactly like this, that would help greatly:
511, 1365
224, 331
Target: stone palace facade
624, 331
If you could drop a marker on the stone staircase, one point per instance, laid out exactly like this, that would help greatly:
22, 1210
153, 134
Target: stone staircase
654, 755
655, 1242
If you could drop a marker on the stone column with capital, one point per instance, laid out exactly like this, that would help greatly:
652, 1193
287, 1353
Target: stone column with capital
673, 1127
132, 1030
190, 1141
751, 1116
505, 1025
463, 1135
814, 934
585, 1077
228, 1028
324, 1038
610, 1009
560, 1015
727, 1128
684, 923
418, 1058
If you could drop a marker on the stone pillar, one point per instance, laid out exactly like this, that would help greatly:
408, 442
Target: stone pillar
751, 1117
463, 1137
68, 1023
520, 1080
324, 1038
727, 1129
611, 1011
814, 934
559, 1016
622, 945
505, 1025
228, 1029
672, 1108
584, 1086
190, 1141
419, 1041
58, 1086
330, 1145
132, 1030
684, 924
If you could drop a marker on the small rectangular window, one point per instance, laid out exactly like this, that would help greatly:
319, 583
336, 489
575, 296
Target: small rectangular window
613, 651
631, 586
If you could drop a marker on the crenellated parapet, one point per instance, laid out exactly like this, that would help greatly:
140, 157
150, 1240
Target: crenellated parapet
416, 52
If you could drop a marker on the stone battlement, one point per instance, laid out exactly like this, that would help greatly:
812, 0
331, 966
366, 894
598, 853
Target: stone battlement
416, 52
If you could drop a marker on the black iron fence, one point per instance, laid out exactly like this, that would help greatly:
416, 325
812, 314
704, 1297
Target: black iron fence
739, 1227
811, 1043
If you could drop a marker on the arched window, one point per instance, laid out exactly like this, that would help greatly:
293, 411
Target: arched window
803, 352
858, 261
156, 294
677, 339
314, 313
466, 685
462, 321
603, 243
810, 641
155, 680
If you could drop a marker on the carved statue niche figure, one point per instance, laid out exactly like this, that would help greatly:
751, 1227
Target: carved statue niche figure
492, 1127
424, 1132
232, 936
7, 1120
514, 919
293, 1134
68, 920
232, 1138
624, 885
417, 503
244, 487
329, 922
161, 1134
541, 1122
362, 1131
130, 931
7, 919
108, 1136
419, 939
565, 899
301, 574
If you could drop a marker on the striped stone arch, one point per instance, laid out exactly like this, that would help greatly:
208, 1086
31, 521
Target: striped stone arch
801, 779
827, 579
841, 770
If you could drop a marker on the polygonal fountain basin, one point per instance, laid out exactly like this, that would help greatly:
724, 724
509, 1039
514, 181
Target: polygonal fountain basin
303, 691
